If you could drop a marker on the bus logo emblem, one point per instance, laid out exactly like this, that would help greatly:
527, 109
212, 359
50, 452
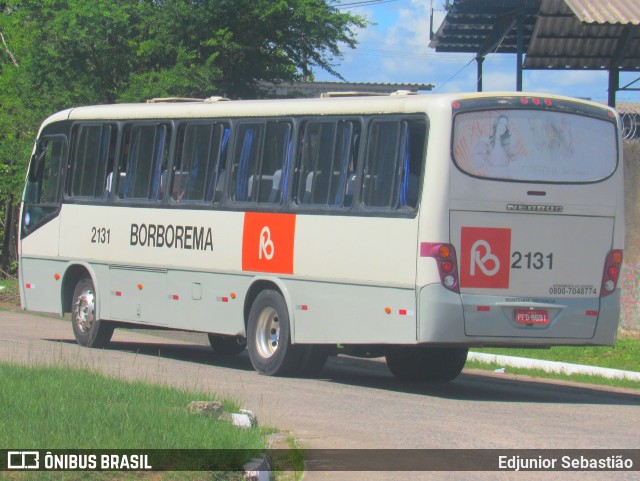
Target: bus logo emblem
477, 259
268, 242
485, 254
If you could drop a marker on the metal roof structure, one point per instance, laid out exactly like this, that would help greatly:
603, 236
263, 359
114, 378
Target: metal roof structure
316, 89
554, 34
606, 11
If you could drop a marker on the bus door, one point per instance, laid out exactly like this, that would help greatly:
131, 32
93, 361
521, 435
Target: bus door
40, 223
535, 198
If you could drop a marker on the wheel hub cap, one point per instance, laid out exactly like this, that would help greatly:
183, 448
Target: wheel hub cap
85, 310
268, 333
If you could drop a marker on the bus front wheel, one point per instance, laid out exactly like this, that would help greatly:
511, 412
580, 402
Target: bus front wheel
430, 364
87, 328
269, 336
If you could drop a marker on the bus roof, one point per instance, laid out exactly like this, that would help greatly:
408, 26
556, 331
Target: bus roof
398, 103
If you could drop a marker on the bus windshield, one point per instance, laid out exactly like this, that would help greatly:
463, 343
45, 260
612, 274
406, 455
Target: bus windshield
534, 146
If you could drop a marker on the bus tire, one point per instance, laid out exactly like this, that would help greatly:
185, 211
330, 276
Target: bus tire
269, 336
227, 345
314, 357
430, 364
87, 329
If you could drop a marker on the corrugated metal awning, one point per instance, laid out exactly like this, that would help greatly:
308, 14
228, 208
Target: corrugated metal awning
606, 11
561, 41
557, 34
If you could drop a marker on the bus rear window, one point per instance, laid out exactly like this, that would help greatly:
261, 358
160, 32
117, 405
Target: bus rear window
534, 146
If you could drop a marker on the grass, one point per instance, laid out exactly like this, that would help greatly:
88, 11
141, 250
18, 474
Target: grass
625, 355
539, 373
9, 291
61, 408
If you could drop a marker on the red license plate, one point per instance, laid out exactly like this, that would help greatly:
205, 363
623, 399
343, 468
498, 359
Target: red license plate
532, 316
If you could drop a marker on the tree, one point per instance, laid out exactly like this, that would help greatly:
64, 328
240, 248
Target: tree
56, 54
229, 46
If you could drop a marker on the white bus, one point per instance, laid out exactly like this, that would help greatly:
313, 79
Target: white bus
409, 226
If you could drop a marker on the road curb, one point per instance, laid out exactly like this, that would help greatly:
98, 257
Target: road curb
553, 366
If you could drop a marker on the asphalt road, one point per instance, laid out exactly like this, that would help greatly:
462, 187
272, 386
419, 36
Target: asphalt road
357, 403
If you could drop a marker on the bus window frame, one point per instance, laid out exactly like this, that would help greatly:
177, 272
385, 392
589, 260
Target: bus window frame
283, 205
179, 130
68, 196
120, 157
405, 121
288, 202
360, 123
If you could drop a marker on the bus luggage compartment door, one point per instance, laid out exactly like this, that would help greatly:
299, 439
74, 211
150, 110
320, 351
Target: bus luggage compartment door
531, 275
138, 294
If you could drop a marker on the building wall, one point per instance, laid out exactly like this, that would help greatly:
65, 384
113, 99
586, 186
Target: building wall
630, 278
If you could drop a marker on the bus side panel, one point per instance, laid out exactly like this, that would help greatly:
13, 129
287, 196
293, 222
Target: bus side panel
355, 279
206, 302
39, 251
333, 313
362, 250
41, 290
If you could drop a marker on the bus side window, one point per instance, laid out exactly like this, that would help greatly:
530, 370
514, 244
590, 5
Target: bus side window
144, 159
199, 161
326, 169
44, 175
277, 151
261, 156
413, 163
393, 164
380, 180
347, 155
92, 161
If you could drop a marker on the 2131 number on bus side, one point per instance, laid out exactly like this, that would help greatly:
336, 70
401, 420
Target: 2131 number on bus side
100, 235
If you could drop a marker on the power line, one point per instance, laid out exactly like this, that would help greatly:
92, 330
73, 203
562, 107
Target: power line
363, 3
454, 75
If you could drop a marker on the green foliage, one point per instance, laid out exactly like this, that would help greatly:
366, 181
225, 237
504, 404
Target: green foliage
64, 408
60, 54
78, 52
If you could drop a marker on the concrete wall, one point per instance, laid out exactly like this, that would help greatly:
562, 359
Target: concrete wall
630, 278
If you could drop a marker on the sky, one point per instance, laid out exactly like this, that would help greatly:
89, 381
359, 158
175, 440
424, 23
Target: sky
395, 49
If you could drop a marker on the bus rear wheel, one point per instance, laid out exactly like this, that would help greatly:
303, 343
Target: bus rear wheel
430, 364
269, 336
88, 330
227, 345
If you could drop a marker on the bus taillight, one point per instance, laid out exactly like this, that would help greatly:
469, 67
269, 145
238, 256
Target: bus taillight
445, 256
611, 272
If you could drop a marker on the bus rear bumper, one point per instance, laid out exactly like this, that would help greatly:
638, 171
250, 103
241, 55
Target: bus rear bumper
446, 317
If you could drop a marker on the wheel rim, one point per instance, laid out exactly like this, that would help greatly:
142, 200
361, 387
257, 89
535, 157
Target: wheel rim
84, 312
267, 332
